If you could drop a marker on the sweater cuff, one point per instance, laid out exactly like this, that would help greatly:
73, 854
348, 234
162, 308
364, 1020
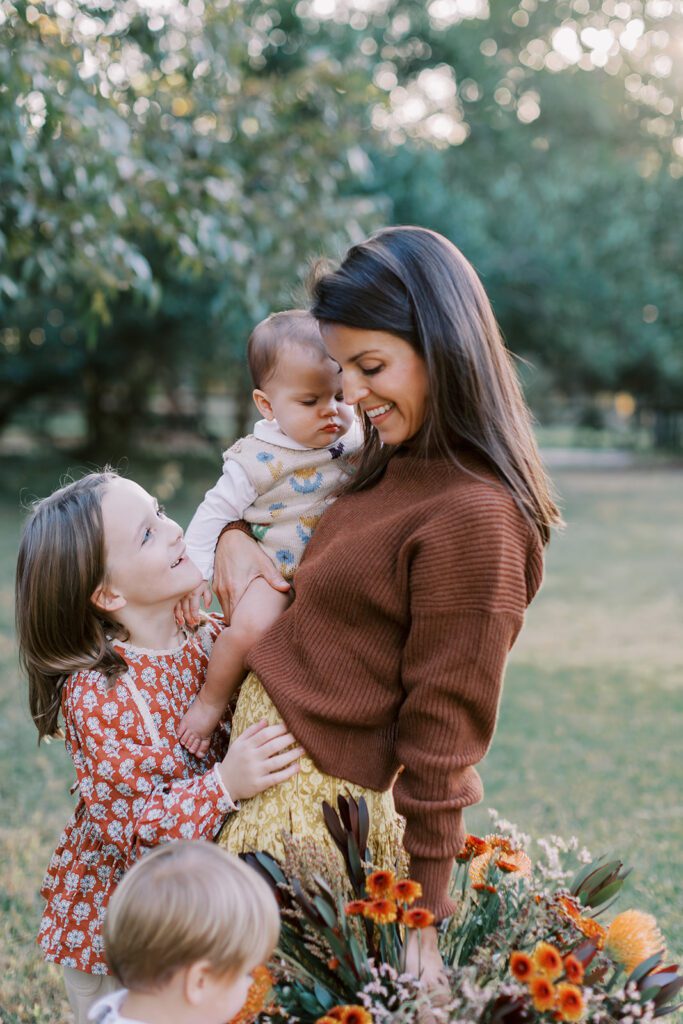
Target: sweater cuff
435, 878
233, 806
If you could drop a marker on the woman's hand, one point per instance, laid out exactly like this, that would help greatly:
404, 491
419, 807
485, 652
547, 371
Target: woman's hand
238, 561
261, 757
187, 611
423, 959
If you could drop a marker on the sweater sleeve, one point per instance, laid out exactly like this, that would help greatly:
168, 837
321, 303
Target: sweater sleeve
467, 599
138, 795
224, 503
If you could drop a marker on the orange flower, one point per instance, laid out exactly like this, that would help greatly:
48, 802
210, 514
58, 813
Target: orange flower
381, 911
336, 1013
547, 960
333, 963
633, 937
481, 887
355, 907
262, 983
521, 966
515, 861
500, 843
573, 968
472, 847
327, 1020
592, 930
568, 908
570, 1002
418, 917
356, 1015
542, 993
380, 883
406, 891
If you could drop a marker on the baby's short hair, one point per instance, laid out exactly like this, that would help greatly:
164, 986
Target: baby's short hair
188, 901
267, 340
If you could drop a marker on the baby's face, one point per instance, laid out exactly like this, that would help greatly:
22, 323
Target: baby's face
304, 395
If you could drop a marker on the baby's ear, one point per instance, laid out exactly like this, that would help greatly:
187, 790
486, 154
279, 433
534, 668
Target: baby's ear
107, 600
262, 403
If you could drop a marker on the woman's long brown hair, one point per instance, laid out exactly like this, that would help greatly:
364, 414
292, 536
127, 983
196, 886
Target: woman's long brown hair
61, 563
414, 283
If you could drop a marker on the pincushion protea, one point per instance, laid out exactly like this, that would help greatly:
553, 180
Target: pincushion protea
632, 937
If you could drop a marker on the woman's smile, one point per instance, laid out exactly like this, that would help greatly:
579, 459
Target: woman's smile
384, 376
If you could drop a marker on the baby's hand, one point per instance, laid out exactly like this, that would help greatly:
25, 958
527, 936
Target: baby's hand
187, 610
258, 759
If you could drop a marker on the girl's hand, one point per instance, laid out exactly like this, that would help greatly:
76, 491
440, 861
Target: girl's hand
423, 959
258, 759
238, 561
187, 610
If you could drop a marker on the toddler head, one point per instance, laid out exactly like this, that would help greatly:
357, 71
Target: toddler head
94, 556
295, 381
191, 922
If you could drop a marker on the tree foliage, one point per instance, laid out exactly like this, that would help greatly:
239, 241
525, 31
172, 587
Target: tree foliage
169, 168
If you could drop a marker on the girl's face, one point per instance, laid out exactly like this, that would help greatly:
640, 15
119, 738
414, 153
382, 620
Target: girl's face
145, 551
384, 376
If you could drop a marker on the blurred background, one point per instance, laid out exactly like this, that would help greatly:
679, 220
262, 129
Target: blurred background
168, 170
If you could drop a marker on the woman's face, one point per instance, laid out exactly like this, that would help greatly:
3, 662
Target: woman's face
384, 376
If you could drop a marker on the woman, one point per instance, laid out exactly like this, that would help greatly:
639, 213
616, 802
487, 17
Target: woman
414, 587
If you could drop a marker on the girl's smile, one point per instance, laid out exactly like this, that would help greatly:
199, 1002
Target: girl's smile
148, 569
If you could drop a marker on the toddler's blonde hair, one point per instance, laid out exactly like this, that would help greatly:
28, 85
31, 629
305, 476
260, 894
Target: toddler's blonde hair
184, 902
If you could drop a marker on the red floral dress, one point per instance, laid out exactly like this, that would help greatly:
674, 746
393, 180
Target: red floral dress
138, 787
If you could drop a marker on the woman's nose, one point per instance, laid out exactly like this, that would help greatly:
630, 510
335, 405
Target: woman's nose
354, 391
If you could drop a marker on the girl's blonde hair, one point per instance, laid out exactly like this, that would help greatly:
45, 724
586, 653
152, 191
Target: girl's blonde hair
61, 562
188, 901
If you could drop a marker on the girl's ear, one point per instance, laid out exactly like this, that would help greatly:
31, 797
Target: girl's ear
263, 405
107, 600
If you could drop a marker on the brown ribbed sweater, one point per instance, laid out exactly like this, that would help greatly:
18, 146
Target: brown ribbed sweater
408, 599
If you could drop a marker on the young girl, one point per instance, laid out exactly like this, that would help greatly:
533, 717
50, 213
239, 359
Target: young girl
100, 569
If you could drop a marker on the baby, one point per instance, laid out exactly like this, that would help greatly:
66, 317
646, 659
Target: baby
183, 931
280, 480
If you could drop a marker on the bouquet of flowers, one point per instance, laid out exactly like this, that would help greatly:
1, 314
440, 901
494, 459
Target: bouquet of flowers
526, 944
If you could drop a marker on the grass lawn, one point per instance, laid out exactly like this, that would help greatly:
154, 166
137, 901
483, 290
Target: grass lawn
588, 735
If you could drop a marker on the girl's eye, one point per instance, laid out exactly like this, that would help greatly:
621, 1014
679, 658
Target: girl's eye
309, 401
161, 511
339, 397
147, 534
370, 371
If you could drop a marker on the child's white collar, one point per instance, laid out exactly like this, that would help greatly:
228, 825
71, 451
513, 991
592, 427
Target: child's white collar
269, 430
106, 1009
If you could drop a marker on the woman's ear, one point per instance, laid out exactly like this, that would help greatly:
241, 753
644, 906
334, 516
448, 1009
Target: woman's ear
107, 600
263, 405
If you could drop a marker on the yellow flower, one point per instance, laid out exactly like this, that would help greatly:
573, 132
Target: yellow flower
570, 1002
380, 883
542, 993
547, 960
356, 1015
381, 911
633, 937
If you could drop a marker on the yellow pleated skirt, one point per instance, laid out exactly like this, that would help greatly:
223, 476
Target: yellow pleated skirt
294, 808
